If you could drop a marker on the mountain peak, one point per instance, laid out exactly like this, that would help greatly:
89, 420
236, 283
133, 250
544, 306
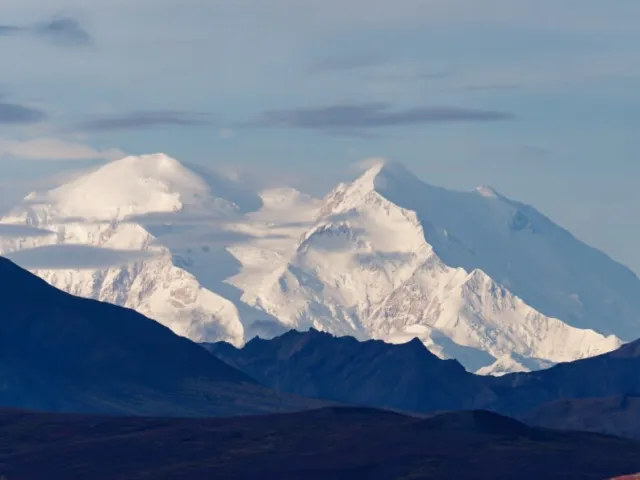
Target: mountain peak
379, 176
383, 174
131, 186
155, 160
156, 165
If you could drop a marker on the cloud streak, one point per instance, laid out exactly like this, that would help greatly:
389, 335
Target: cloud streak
7, 30
75, 257
64, 31
21, 231
347, 62
352, 118
54, 149
16, 114
495, 86
144, 120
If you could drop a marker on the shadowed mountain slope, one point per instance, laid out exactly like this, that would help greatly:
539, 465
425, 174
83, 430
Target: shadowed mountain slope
408, 377
63, 353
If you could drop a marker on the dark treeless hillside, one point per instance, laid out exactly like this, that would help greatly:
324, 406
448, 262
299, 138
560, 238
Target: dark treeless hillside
63, 353
409, 378
335, 443
373, 373
614, 415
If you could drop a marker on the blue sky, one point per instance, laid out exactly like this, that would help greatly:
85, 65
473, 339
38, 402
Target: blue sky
539, 99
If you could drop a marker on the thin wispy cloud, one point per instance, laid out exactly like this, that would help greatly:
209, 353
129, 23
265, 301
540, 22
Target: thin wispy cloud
407, 76
535, 152
64, 31
144, 120
495, 86
347, 62
21, 231
433, 75
354, 133
6, 30
75, 257
357, 117
55, 149
17, 114
67, 31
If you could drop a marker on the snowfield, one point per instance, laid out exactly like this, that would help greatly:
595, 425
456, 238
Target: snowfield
474, 275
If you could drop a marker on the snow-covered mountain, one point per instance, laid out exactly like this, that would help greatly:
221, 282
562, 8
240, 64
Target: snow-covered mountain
474, 275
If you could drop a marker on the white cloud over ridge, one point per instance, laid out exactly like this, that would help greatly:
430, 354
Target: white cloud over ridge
20, 231
75, 257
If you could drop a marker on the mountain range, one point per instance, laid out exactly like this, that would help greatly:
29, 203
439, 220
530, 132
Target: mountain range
373, 373
597, 393
475, 276
66, 354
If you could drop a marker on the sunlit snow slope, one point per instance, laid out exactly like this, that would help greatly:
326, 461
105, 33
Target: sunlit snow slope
474, 275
